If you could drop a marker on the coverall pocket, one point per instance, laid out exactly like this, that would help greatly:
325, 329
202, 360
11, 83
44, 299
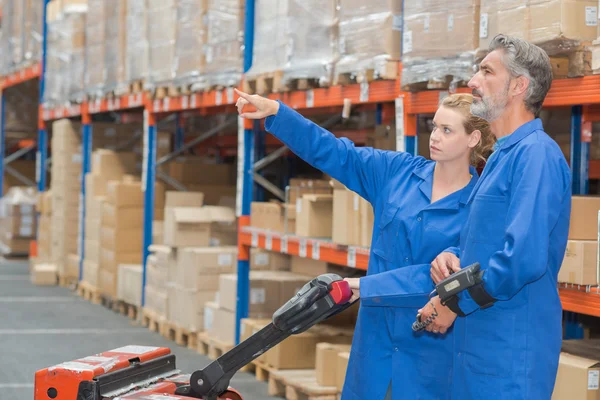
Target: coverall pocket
386, 244
490, 337
489, 226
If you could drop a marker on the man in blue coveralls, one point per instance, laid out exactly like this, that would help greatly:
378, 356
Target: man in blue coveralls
508, 332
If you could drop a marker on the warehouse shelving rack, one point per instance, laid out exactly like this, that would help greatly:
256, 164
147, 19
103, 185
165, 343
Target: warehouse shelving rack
386, 97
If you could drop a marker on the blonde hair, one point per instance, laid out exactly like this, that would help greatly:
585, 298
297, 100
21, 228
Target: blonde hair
461, 102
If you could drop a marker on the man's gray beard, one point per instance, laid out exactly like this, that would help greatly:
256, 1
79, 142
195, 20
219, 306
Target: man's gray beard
482, 110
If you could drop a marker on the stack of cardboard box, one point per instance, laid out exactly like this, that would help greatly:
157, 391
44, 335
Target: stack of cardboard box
129, 284
580, 265
17, 221
44, 208
269, 290
352, 222
122, 229
106, 166
199, 245
199, 174
66, 187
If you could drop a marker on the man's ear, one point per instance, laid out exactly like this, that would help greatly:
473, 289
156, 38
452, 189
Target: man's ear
520, 85
474, 139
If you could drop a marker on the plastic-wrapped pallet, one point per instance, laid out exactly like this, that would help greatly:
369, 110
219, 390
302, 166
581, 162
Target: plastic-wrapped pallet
33, 30
136, 65
17, 220
223, 51
8, 23
21, 111
294, 39
95, 52
370, 36
189, 42
439, 42
74, 36
161, 36
558, 25
53, 74
116, 42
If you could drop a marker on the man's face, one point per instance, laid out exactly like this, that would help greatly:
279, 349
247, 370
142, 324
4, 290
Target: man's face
490, 87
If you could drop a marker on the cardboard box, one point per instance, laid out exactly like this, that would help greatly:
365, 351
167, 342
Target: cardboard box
191, 308
129, 284
580, 265
44, 275
314, 216
584, 218
157, 300
200, 226
216, 195
269, 290
158, 228
577, 378
299, 351
342, 366
173, 309
367, 219
156, 275
346, 217
122, 240
219, 323
273, 216
113, 165
110, 260
198, 268
166, 257
91, 272
92, 250
184, 199
125, 194
121, 218
108, 283
72, 267
299, 187
263, 260
308, 267
196, 170
326, 362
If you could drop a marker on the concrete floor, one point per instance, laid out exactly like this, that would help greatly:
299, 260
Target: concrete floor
44, 326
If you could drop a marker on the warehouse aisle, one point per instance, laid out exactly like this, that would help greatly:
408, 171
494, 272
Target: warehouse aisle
44, 326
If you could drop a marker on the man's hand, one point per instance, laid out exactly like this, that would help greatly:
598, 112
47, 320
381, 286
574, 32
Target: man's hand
264, 107
443, 265
354, 284
442, 317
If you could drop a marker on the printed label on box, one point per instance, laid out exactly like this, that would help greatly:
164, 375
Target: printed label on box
397, 23
298, 205
483, 26
261, 259
208, 318
593, 380
450, 22
257, 296
26, 231
591, 16
225, 259
426, 23
407, 42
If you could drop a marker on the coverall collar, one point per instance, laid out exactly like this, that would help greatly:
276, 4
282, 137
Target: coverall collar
425, 172
521, 133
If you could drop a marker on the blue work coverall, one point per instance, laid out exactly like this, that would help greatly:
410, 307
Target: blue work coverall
517, 230
407, 230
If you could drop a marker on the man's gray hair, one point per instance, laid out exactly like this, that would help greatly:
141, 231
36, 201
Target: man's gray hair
522, 58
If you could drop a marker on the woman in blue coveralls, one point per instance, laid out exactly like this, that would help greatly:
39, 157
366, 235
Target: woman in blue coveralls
419, 208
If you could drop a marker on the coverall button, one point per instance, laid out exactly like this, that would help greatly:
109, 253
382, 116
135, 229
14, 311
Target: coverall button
406, 259
395, 349
419, 219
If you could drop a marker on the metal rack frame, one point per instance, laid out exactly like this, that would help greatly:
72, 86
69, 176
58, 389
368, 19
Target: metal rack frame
392, 104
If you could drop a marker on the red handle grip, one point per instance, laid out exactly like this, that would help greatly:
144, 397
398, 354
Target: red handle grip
340, 292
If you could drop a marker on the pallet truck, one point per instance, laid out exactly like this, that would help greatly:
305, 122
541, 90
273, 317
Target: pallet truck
150, 373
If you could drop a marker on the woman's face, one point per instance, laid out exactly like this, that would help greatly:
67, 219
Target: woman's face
449, 141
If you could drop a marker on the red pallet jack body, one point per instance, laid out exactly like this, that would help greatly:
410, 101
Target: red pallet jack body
150, 373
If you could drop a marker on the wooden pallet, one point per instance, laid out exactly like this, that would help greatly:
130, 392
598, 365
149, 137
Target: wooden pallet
181, 336
389, 70
166, 91
299, 385
68, 282
89, 293
211, 347
129, 310
109, 302
262, 371
136, 87
153, 321
575, 61
274, 82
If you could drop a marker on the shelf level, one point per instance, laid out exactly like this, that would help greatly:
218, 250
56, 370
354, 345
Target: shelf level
580, 299
18, 77
61, 112
350, 256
